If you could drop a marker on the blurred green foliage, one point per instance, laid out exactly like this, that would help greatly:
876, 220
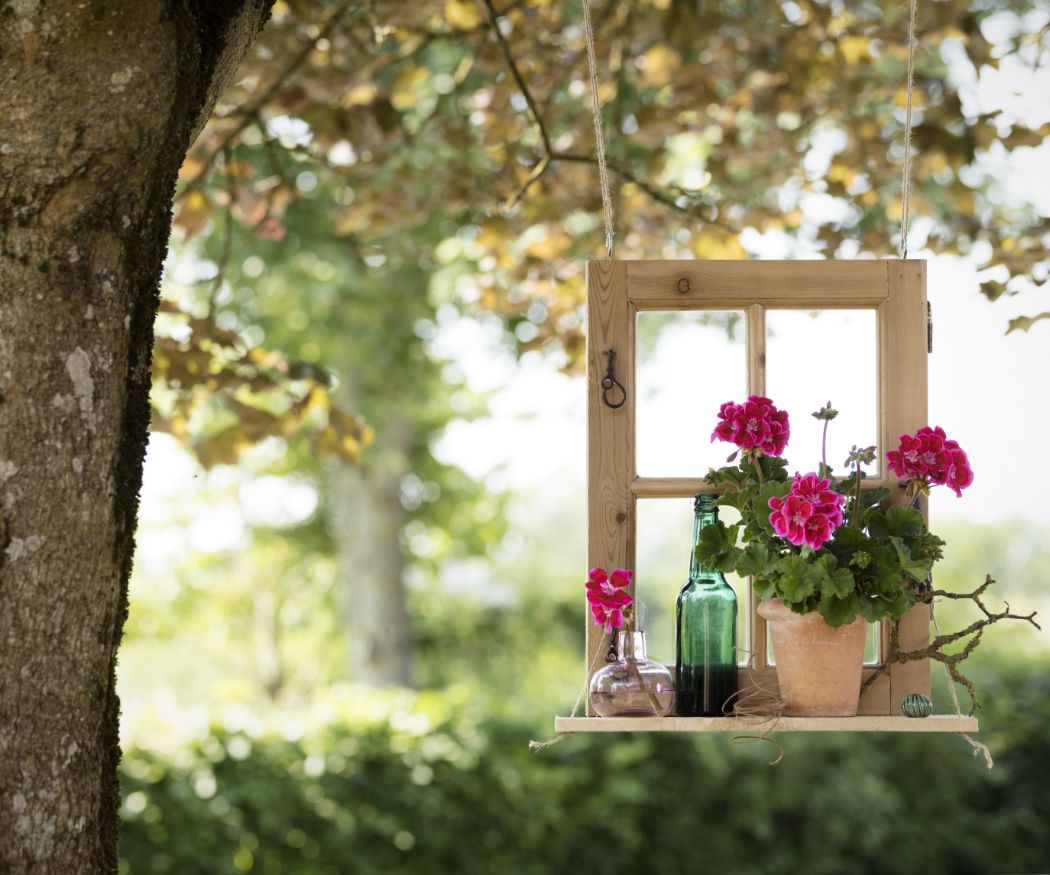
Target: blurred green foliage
433, 787
347, 780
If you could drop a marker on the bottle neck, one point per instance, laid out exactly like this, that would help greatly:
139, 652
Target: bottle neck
630, 645
704, 517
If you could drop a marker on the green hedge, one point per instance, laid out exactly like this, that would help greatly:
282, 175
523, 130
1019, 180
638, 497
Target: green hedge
466, 798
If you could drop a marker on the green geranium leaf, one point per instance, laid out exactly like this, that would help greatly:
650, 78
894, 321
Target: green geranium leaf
717, 547
775, 468
860, 559
885, 571
755, 561
840, 611
916, 569
726, 477
735, 498
847, 540
797, 579
900, 604
768, 490
875, 497
847, 485
899, 522
873, 608
887, 607
835, 582
765, 587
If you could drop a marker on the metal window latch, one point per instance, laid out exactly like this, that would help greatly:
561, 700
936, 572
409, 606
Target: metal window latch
929, 327
609, 383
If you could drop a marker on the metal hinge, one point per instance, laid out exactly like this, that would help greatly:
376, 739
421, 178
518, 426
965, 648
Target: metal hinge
929, 327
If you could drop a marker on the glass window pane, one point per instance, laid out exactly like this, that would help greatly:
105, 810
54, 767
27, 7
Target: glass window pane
688, 365
664, 532
813, 356
871, 645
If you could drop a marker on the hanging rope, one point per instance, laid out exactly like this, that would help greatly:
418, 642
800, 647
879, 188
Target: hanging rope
599, 655
906, 172
599, 135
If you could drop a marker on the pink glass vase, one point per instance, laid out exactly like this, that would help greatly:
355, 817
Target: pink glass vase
632, 686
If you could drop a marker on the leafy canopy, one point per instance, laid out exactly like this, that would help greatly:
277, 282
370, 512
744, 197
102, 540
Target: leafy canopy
411, 133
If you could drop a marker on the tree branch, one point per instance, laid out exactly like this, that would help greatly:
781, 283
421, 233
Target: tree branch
253, 109
227, 239
935, 649
515, 72
689, 201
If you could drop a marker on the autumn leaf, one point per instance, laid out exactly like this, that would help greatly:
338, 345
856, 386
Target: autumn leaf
1023, 323
463, 14
194, 211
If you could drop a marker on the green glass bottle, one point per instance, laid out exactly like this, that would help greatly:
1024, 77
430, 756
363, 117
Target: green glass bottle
706, 632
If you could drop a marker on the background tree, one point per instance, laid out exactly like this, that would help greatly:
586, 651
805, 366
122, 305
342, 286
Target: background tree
367, 312
101, 101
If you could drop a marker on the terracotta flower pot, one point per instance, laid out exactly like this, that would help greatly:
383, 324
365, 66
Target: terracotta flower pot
818, 666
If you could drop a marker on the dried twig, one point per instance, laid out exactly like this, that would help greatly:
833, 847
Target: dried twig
935, 649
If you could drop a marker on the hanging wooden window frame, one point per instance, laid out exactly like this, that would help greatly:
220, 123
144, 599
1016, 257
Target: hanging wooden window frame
616, 292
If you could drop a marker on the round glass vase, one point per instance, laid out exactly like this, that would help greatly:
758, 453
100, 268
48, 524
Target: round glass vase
632, 686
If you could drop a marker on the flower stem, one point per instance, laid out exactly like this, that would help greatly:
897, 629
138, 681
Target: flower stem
758, 469
856, 498
824, 446
632, 666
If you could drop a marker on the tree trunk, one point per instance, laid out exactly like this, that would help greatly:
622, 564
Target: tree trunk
372, 565
101, 100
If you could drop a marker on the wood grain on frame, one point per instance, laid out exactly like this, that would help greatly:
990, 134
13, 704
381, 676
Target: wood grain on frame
610, 433
727, 285
903, 377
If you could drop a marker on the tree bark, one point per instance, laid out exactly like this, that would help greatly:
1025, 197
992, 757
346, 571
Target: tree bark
372, 565
101, 99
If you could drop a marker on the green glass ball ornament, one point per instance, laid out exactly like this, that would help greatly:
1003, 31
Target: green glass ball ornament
917, 705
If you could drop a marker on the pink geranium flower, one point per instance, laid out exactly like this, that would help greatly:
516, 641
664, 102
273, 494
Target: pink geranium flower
819, 529
958, 475
809, 514
754, 425
607, 596
789, 517
818, 492
930, 458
